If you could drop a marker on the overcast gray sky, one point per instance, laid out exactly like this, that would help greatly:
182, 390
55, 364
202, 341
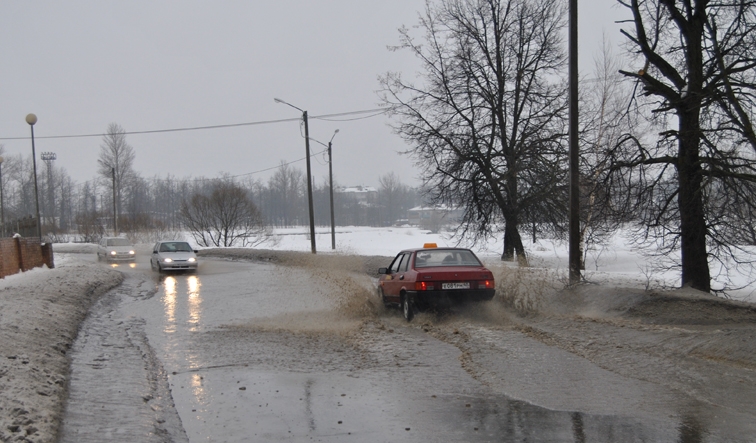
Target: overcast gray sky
152, 65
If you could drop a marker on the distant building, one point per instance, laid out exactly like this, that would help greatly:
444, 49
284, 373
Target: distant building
360, 194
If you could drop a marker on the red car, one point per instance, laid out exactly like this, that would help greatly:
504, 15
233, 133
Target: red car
434, 277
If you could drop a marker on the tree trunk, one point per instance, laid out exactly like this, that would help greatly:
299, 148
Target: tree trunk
695, 264
513, 244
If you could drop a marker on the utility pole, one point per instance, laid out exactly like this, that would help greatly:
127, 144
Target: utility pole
309, 184
574, 230
309, 173
115, 215
48, 158
330, 177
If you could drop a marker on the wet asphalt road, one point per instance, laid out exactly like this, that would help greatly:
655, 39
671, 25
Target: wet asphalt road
256, 352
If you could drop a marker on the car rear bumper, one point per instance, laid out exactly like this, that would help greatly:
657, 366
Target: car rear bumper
429, 299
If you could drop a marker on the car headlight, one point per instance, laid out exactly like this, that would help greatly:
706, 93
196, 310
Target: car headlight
113, 253
132, 252
167, 260
192, 260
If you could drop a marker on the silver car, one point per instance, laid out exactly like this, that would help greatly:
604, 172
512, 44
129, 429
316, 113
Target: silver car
173, 256
115, 249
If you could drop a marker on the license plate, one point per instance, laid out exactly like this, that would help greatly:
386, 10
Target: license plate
465, 285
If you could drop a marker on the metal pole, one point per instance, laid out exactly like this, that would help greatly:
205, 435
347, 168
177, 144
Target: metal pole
48, 158
330, 176
36, 192
309, 183
574, 235
115, 215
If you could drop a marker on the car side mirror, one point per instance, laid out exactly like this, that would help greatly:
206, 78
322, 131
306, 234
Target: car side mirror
383, 270
196, 251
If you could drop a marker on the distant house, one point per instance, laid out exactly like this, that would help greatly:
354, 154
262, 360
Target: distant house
360, 194
358, 205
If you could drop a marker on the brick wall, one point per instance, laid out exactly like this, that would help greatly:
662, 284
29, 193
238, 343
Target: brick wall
21, 254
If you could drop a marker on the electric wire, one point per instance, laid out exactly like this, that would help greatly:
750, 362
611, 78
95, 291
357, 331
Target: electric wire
223, 126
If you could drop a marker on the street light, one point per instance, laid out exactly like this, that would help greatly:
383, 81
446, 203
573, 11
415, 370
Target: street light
309, 174
330, 176
32, 119
2, 207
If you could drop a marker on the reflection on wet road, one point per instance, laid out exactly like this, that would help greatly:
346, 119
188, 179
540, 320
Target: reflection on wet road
256, 352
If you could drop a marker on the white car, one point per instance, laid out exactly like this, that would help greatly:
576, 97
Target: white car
173, 256
115, 249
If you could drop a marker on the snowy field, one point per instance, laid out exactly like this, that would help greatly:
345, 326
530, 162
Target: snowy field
618, 263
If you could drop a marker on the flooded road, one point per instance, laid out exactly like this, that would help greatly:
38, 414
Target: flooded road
258, 352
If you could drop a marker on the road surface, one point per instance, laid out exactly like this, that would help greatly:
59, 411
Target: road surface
253, 351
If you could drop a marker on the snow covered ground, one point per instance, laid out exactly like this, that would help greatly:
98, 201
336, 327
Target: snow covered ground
619, 263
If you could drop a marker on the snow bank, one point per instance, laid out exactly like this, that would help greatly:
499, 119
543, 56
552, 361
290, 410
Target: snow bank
40, 312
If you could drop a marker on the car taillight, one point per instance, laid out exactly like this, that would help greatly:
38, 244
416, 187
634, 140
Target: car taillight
423, 286
486, 284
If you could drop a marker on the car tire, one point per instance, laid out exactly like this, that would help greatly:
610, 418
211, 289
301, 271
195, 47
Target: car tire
383, 298
408, 308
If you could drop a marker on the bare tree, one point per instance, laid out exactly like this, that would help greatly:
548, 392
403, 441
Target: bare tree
116, 154
697, 72
287, 190
488, 123
224, 217
390, 195
603, 122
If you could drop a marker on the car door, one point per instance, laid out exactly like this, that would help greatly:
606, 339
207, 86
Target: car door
393, 280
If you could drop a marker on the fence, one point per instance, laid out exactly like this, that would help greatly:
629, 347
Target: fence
21, 254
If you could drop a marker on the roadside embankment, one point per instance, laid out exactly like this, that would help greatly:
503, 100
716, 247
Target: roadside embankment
40, 313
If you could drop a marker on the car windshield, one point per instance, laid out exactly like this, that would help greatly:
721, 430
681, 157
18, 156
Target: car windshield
175, 247
445, 257
118, 242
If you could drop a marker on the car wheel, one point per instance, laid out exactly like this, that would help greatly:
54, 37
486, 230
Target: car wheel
407, 308
383, 297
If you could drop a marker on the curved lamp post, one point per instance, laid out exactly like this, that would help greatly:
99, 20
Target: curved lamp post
32, 119
309, 174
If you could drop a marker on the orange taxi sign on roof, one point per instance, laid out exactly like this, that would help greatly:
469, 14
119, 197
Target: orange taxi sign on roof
430, 245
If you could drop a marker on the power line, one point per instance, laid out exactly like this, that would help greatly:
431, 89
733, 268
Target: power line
376, 112
259, 171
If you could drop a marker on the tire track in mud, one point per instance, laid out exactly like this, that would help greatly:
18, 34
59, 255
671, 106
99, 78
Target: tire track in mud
118, 389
